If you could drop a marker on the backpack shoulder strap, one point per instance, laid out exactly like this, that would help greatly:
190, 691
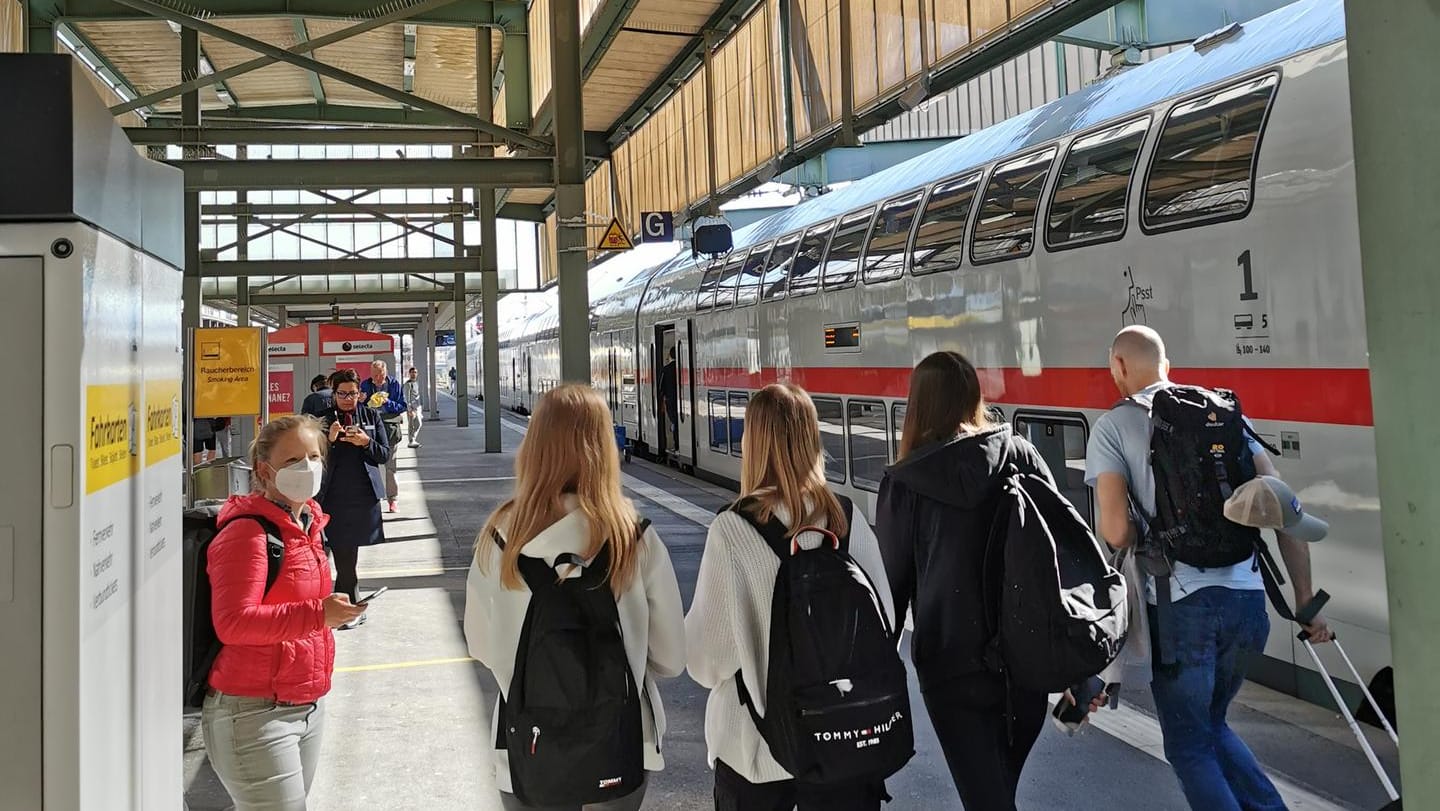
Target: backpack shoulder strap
274, 546
848, 507
772, 531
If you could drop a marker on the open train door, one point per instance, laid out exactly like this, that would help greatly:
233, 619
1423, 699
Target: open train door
685, 380
674, 393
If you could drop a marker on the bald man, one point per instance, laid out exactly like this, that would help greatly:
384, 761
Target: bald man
1217, 615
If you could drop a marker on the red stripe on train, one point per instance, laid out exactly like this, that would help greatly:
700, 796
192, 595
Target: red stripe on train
1330, 396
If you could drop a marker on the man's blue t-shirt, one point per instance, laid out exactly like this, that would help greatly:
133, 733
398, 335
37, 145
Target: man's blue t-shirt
1120, 443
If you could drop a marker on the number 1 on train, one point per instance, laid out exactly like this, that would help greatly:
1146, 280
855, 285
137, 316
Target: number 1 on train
1248, 294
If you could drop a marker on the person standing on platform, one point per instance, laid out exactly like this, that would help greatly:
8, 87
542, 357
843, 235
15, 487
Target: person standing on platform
670, 398
454, 380
353, 487
933, 516
384, 395
1215, 619
264, 707
320, 399
414, 404
223, 444
728, 628
569, 506
202, 441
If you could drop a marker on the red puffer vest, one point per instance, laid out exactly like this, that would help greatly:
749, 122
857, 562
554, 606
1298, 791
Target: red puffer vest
276, 647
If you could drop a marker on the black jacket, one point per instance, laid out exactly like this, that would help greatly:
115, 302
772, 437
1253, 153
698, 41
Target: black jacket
352, 474
318, 403
933, 521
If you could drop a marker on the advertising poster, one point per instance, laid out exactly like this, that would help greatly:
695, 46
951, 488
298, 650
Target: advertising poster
282, 389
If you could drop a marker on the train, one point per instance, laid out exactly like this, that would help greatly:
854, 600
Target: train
1209, 193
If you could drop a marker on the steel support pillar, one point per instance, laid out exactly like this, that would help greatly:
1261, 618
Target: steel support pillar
1399, 213
515, 57
489, 258
462, 403
430, 359
712, 201
242, 304
282, 314
847, 76
190, 297
570, 235
490, 322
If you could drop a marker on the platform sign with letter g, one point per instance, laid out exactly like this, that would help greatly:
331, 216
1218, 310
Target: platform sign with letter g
657, 226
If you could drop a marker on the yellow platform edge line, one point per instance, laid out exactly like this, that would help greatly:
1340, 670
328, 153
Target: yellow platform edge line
403, 665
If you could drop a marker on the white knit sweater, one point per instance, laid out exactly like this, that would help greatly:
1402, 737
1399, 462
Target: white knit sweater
728, 629
651, 620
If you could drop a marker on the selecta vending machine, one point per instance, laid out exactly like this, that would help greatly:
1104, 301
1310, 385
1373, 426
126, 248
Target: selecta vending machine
90, 492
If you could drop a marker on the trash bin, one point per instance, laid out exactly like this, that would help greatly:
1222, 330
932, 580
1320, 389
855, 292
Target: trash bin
222, 478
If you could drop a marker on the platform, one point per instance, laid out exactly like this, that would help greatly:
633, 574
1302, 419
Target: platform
408, 717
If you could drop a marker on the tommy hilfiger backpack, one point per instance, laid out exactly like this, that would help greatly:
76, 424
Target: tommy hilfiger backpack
571, 719
837, 707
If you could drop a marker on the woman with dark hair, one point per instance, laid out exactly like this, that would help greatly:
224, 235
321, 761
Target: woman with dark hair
933, 519
320, 399
353, 486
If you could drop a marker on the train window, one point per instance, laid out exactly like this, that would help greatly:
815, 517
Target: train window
869, 443
1005, 228
1089, 201
885, 249
832, 436
940, 239
738, 401
750, 274
705, 296
805, 270
897, 428
725, 285
1060, 439
843, 259
1204, 164
719, 423
777, 267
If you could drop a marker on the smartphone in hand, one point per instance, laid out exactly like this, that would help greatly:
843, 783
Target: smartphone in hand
1070, 716
372, 595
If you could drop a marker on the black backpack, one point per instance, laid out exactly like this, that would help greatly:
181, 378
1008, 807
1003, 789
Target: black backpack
1199, 455
1062, 611
836, 698
571, 720
203, 645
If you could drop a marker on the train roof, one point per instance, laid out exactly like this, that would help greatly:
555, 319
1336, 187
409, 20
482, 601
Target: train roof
1265, 40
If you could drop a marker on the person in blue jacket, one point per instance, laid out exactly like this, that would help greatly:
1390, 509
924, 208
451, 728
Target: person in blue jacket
391, 405
352, 488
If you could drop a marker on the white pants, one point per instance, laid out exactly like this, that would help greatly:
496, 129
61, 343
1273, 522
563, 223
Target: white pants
265, 754
415, 420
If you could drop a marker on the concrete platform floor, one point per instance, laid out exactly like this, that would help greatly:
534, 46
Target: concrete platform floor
408, 716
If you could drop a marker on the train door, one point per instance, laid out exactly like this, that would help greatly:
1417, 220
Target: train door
612, 373
666, 393
529, 383
685, 384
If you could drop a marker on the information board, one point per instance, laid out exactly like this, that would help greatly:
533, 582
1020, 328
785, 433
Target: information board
227, 371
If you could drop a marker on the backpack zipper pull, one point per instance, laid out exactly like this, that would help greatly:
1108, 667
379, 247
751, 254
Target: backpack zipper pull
534, 739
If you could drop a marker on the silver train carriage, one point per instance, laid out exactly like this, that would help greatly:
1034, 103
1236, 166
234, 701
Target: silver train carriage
1209, 194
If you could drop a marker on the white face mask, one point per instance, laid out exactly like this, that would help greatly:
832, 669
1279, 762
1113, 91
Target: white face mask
301, 481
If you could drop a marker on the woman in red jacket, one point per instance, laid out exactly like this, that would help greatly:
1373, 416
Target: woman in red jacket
263, 715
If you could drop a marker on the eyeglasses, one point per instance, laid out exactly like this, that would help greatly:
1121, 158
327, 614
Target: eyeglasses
346, 395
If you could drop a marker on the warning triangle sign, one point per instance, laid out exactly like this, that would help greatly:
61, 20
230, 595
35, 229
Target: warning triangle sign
615, 238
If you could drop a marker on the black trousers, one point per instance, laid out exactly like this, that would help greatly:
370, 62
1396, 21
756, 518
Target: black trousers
735, 793
346, 580
986, 738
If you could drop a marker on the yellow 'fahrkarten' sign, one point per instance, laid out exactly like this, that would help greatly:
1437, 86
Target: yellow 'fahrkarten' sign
111, 453
162, 420
228, 372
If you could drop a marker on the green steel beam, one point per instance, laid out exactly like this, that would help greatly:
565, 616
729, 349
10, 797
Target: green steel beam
368, 297
376, 210
392, 14
525, 212
228, 175
302, 35
41, 18
213, 136
458, 117
515, 66
334, 267
507, 14
317, 114
93, 53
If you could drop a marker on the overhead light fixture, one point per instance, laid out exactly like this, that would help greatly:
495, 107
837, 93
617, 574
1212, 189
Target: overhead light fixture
410, 66
174, 26
206, 69
410, 29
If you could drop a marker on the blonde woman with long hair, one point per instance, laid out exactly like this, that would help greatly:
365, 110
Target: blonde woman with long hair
728, 629
567, 525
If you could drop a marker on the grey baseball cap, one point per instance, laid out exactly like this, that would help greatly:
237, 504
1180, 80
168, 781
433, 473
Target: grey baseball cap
1268, 503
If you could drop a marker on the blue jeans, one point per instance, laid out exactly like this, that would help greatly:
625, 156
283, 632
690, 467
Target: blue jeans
1209, 632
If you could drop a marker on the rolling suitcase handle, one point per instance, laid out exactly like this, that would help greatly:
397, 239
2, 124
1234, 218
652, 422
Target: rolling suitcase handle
1308, 613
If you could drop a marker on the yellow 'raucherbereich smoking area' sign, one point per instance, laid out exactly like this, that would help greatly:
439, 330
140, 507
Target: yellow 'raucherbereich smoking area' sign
228, 372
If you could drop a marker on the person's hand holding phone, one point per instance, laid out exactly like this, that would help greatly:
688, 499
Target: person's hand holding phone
356, 436
334, 430
339, 610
